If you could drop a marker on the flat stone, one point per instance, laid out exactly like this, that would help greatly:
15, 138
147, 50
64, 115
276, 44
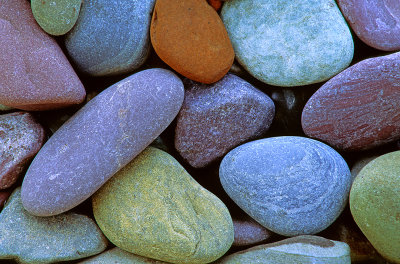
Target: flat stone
21, 137
110, 37
56, 17
289, 43
374, 200
190, 37
119, 256
359, 108
154, 208
248, 232
101, 138
39, 240
301, 249
290, 185
34, 72
377, 23
218, 117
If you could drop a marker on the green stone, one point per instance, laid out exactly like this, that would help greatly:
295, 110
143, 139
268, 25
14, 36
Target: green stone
154, 208
56, 17
374, 204
5, 108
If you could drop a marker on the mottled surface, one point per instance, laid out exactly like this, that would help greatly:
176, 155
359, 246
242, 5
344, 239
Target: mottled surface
34, 72
301, 249
102, 137
190, 37
56, 17
377, 23
374, 204
21, 137
110, 37
39, 240
154, 208
289, 43
216, 118
290, 185
248, 232
358, 108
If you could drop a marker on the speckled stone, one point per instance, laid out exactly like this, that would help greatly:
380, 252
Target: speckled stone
216, 118
34, 72
359, 108
110, 37
21, 137
56, 17
290, 185
154, 208
301, 249
101, 138
374, 204
248, 232
289, 43
377, 23
3, 198
38, 240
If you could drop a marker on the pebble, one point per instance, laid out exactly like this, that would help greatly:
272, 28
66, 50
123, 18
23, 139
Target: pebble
374, 200
101, 138
34, 72
301, 249
218, 117
359, 108
3, 198
190, 37
21, 137
56, 17
154, 208
360, 164
289, 43
38, 240
290, 185
248, 232
110, 37
5, 108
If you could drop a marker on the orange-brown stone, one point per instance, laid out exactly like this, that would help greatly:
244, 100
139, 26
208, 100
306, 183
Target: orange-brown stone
190, 37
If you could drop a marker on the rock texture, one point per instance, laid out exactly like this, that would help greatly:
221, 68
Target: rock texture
154, 208
289, 43
216, 118
248, 232
3, 198
101, 138
359, 108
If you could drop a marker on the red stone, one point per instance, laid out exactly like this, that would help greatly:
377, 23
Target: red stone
216, 4
3, 198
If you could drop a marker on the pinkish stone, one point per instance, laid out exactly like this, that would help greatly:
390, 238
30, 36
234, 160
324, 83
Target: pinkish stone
359, 108
34, 72
377, 23
248, 232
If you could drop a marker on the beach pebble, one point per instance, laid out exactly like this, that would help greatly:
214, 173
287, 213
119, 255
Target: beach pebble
248, 232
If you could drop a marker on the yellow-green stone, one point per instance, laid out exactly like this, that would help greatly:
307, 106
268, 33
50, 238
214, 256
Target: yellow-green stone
154, 208
56, 17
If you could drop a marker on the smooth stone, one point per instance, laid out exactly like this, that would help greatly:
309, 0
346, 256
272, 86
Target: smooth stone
359, 108
377, 23
290, 185
110, 37
101, 138
301, 249
56, 17
248, 232
216, 4
190, 37
38, 240
34, 72
374, 201
218, 117
289, 43
3, 198
154, 208
360, 164
21, 137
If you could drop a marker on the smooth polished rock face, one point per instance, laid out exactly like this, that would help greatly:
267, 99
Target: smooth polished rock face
110, 37
101, 138
377, 23
39, 240
154, 208
34, 72
359, 108
289, 43
290, 185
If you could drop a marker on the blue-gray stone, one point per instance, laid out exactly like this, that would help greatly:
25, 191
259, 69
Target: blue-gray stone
290, 185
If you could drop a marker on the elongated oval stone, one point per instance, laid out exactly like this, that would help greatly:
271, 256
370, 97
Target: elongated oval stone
359, 108
154, 208
101, 138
